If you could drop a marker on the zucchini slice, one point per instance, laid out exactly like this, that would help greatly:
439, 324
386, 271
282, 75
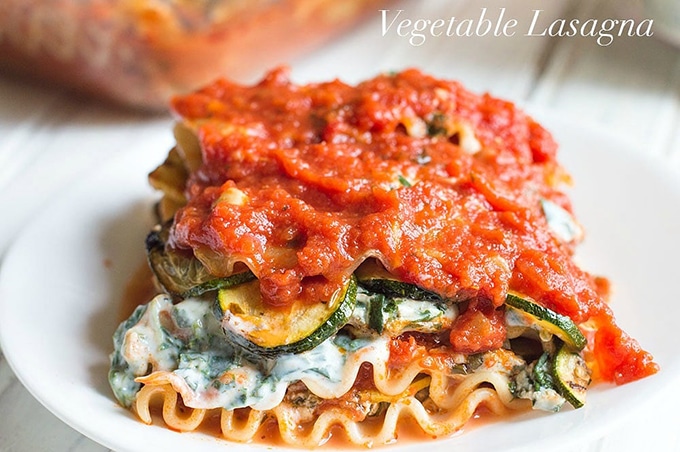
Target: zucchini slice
546, 319
269, 332
182, 275
375, 278
570, 375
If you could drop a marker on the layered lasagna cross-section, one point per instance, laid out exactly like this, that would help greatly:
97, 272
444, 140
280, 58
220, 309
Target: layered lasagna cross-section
342, 260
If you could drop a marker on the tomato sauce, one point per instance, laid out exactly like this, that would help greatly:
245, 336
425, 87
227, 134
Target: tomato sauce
443, 186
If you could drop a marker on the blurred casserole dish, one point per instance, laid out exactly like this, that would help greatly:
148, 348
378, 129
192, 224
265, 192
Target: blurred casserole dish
140, 52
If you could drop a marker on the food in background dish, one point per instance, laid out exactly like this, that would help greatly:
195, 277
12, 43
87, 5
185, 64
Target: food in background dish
336, 258
140, 52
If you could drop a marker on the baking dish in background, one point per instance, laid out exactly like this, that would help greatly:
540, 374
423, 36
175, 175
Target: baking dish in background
140, 52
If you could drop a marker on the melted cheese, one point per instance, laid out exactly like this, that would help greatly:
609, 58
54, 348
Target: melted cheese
209, 372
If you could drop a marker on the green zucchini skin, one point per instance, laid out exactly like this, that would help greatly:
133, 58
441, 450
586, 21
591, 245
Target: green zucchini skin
558, 324
560, 368
570, 375
183, 276
327, 327
374, 278
398, 289
219, 283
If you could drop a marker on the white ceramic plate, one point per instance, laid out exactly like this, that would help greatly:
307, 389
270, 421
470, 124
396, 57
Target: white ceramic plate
62, 282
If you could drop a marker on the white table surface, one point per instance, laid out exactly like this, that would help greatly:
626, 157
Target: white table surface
631, 88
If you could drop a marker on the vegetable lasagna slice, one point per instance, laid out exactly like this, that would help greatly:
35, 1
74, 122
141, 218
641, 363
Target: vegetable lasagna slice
336, 259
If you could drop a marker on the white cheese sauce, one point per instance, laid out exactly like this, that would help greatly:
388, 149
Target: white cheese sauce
187, 340
561, 222
186, 344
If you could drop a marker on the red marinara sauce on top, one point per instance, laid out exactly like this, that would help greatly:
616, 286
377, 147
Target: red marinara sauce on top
302, 183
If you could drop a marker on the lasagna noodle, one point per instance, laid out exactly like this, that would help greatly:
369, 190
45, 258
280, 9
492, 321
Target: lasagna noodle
484, 389
450, 401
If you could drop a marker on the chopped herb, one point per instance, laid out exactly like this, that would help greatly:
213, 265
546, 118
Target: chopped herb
403, 181
390, 306
543, 373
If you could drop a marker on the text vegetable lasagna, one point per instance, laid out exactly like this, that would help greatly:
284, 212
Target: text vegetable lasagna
346, 260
